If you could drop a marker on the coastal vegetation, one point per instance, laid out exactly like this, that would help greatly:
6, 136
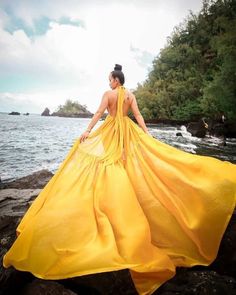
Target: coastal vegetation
194, 75
72, 109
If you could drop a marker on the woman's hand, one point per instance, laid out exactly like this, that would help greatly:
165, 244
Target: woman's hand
148, 133
83, 136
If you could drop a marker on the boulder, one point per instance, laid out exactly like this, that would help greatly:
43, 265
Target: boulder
197, 129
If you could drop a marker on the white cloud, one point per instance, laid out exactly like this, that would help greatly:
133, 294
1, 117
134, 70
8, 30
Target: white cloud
71, 61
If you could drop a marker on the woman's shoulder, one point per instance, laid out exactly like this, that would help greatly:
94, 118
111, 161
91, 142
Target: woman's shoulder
111, 92
130, 94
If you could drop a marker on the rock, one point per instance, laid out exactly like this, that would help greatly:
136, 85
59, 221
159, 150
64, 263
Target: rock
14, 202
179, 134
217, 129
73, 115
26, 114
190, 282
42, 287
217, 278
225, 262
13, 205
230, 129
14, 113
46, 112
109, 283
37, 179
197, 129
221, 129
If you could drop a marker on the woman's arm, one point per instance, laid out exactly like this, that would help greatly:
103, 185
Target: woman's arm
138, 116
97, 115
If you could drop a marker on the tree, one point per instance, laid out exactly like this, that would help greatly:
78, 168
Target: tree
194, 74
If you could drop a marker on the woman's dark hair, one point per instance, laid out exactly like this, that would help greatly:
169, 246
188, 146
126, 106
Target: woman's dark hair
117, 73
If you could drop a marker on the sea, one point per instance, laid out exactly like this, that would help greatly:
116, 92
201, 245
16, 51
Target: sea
34, 142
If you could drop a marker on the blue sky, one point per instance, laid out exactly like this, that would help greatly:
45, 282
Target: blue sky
54, 50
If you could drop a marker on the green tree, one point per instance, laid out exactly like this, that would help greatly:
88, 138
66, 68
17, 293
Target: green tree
194, 74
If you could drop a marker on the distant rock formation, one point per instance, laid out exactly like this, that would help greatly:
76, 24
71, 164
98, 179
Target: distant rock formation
46, 112
26, 114
73, 110
72, 115
14, 113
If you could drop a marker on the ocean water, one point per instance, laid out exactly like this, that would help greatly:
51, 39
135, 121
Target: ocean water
34, 142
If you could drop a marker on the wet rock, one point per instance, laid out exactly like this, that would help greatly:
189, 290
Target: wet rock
197, 129
179, 134
37, 179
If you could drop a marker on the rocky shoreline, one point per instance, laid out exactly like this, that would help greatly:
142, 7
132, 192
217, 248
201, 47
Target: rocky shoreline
202, 127
16, 197
198, 128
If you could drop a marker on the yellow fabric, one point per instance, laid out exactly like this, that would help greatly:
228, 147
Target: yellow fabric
123, 199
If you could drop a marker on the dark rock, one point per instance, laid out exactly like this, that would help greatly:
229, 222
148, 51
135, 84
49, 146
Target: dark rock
179, 134
230, 129
26, 114
42, 287
46, 112
225, 263
14, 202
189, 282
217, 129
214, 128
197, 129
12, 281
37, 179
109, 283
73, 115
14, 113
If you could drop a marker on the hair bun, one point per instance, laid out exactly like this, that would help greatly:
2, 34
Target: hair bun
118, 67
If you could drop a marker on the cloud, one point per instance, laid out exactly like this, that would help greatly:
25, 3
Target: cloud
17, 103
55, 50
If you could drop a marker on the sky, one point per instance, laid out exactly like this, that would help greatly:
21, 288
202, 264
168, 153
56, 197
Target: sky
51, 51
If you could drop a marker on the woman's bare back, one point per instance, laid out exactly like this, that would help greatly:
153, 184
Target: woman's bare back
129, 102
112, 102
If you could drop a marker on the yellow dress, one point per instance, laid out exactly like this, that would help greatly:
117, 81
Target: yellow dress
125, 200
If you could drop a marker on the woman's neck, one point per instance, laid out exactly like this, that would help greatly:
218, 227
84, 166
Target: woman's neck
118, 86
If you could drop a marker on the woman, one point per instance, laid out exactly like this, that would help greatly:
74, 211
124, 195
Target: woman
123, 199
109, 98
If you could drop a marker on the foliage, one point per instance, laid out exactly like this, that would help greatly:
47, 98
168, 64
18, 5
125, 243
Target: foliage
194, 74
72, 107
